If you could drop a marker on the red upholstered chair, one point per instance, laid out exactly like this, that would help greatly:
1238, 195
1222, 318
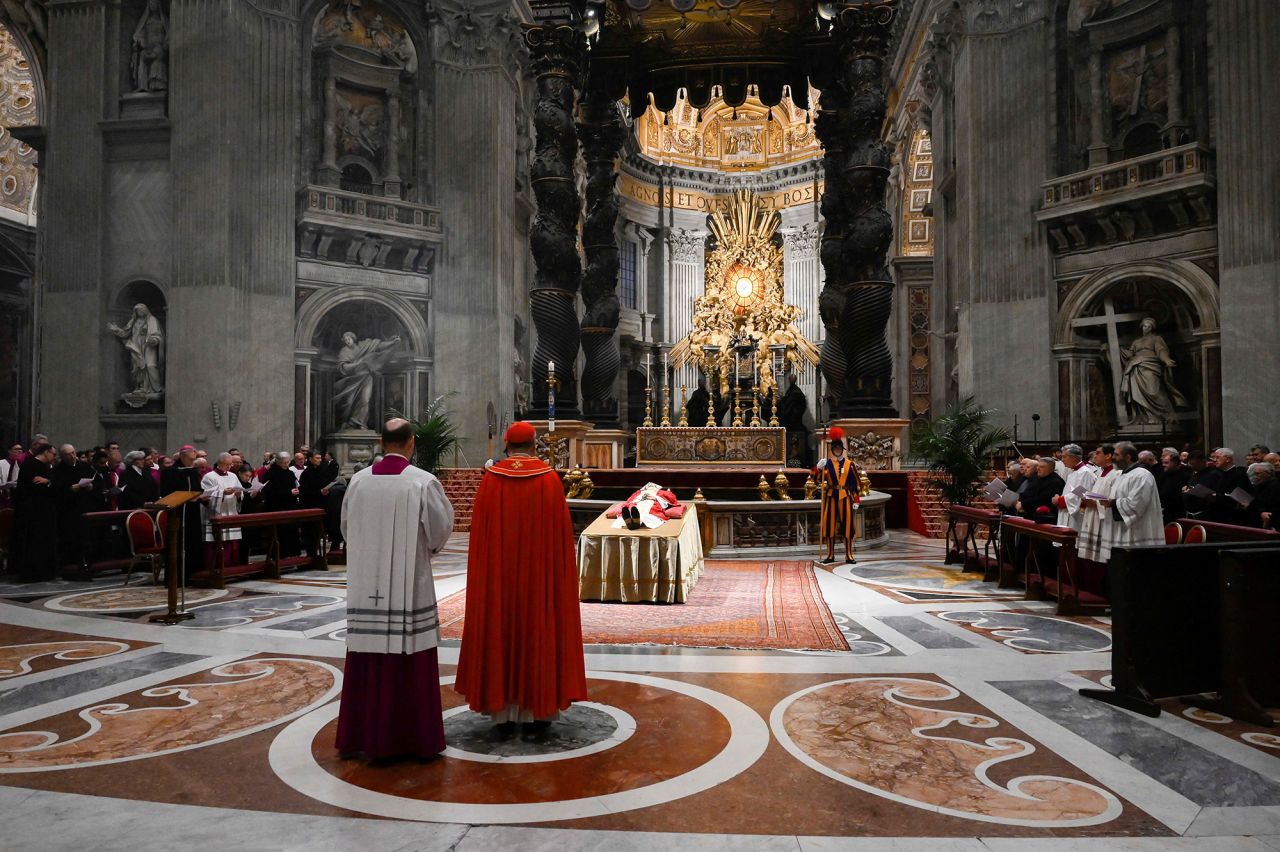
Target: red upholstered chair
1196, 535
146, 543
1173, 533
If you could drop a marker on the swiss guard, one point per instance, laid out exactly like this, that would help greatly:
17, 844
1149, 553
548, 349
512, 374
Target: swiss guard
838, 478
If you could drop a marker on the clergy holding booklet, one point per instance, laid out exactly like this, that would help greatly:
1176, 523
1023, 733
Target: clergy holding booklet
220, 495
1135, 502
395, 518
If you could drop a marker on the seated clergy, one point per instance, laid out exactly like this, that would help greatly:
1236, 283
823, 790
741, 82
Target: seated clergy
648, 507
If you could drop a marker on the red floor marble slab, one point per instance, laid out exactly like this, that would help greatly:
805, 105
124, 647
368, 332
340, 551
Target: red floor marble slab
675, 734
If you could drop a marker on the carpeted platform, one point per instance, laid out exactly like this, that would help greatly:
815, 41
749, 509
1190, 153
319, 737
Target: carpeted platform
735, 605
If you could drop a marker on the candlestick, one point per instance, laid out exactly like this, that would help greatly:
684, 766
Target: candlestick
648, 406
666, 403
755, 406
552, 385
684, 402
737, 406
773, 406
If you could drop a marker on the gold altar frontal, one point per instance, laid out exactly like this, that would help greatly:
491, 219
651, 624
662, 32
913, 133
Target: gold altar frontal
711, 446
657, 565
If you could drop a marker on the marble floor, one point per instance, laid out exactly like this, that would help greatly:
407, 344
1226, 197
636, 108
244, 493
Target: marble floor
952, 723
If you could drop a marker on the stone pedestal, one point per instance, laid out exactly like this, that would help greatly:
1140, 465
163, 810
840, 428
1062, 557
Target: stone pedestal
603, 448
570, 442
874, 443
352, 447
143, 105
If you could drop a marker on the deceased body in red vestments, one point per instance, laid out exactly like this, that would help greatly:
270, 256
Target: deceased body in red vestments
521, 657
652, 503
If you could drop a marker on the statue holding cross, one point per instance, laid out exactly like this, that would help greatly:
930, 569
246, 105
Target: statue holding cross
1142, 372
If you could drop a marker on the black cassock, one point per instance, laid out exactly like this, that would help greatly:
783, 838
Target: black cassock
72, 503
187, 479
35, 523
278, 496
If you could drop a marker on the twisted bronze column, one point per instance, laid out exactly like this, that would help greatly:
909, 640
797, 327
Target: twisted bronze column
857, 296
602, 133
557, 54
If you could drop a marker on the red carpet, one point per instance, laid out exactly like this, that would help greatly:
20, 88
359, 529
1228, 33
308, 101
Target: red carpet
735, 605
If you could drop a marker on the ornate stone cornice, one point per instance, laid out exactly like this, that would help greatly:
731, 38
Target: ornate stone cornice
987, 17
686, 178
475, 33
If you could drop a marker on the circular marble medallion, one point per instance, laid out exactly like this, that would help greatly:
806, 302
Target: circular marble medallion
906, 740
128, 599
596, 793
585, 728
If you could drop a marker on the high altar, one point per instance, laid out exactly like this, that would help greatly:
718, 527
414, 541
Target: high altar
733, 467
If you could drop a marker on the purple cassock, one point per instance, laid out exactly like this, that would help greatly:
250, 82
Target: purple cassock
390, 701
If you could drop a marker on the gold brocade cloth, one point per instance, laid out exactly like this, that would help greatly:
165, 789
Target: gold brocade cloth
659, 565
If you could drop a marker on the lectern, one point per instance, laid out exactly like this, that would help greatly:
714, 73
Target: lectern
175, 532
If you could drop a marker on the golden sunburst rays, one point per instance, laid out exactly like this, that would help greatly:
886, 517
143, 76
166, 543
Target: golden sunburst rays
744, 297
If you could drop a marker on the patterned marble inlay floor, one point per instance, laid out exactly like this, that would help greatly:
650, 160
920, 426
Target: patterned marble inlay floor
952, 723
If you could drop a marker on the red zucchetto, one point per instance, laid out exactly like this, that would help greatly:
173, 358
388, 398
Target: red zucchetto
520, 433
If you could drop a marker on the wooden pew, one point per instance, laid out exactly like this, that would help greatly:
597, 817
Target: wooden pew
1229, 532
217, 575
1060, 584
963, 523
97, 531
1166, 623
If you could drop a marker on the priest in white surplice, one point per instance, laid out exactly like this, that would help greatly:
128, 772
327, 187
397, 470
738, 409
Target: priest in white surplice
1135, 502
1080, 474
221, 493
1097, 530
394, 518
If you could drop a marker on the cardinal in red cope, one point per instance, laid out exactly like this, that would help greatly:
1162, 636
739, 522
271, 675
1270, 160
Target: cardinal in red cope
838, 478
521, 660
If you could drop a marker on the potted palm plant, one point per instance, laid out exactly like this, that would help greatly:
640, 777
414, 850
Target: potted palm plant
956, 446
435, 435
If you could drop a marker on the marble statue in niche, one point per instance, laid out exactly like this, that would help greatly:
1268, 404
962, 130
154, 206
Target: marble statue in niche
149, 64
358, 364
143, 339
1146, 386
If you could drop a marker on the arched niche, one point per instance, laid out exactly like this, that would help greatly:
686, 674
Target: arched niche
402, 381
129, 392
364, 134
1102, 316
